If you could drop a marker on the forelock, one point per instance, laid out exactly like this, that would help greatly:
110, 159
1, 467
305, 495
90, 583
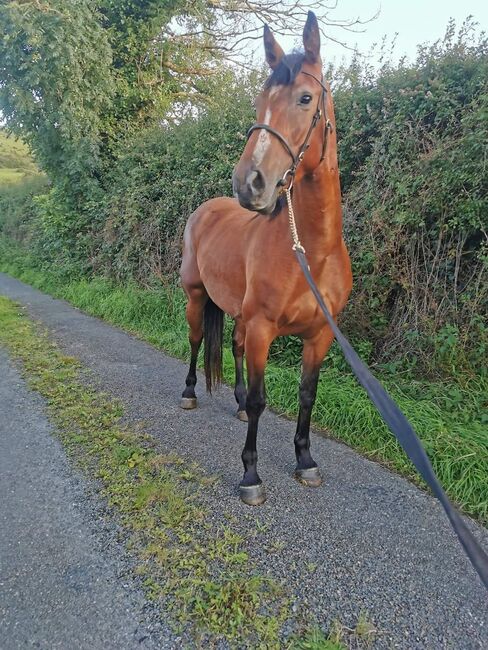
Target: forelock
286, 71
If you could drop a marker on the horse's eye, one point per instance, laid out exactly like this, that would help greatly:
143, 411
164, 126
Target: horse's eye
305, 99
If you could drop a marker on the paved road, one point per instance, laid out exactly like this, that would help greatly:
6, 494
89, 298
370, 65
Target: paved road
64, 576
379, 544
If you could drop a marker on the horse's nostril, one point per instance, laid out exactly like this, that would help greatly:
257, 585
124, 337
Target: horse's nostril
256, 181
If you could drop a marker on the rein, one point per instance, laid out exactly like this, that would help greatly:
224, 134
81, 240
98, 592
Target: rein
385, 405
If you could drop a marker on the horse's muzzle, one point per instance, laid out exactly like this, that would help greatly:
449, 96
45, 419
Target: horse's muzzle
252, 191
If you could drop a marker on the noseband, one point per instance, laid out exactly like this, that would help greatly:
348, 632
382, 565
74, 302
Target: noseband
301, 152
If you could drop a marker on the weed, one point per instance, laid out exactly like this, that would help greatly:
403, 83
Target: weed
365, 630
361, 635
261, 527
315, 639
276, 546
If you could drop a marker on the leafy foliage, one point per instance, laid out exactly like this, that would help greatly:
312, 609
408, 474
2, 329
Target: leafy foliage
161, 175
413, 146
414, 171
55, 83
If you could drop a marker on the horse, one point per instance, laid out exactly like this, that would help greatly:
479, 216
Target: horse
238, 257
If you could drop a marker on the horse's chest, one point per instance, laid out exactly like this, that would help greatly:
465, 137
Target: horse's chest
300, 314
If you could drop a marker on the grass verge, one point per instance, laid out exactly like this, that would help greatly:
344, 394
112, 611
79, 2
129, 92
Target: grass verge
449, 418
198, 570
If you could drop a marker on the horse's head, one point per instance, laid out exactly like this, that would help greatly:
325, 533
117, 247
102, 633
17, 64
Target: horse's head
288, 109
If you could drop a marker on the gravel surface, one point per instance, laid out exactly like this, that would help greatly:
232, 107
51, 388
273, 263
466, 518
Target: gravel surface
367, 540
65, 579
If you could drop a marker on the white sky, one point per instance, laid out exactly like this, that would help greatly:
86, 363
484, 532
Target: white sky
415, 21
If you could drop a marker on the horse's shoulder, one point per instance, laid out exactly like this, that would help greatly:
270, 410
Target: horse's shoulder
216, 209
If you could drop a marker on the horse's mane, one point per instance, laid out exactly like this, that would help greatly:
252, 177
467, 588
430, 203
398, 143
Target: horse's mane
287, 69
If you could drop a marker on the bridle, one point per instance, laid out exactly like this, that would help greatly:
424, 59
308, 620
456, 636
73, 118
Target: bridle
286, 181
296, 159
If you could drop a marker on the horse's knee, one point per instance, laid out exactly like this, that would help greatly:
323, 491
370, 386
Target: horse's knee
308, 389
237, 348
255, 403
195, 336
307, 397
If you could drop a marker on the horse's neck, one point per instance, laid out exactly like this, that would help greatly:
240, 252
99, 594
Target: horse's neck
317, 200
318, 213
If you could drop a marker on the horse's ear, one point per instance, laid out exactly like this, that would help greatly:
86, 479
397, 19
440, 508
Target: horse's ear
274, 53
311, 38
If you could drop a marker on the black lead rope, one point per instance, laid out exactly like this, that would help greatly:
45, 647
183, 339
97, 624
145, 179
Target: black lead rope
402, 429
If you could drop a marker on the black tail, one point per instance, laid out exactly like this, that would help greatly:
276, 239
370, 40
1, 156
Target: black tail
213, 330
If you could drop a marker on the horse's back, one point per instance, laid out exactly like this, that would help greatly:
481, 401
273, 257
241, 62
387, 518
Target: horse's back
215, 214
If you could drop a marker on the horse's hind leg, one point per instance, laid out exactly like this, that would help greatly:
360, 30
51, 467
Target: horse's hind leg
240, 392
314, 351
197, 298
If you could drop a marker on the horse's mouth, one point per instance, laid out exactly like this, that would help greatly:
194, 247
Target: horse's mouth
261, 207
267, 210
273, 205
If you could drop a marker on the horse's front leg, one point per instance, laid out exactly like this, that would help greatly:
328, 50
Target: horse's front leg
240, 392
258, 340
314, 351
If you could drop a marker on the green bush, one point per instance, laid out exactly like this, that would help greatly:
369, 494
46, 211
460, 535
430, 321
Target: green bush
413, 149
413, 158
161, 175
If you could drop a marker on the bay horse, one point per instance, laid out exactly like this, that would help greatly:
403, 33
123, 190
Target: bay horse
238, 257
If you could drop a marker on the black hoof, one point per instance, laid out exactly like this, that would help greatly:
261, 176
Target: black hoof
252, 495
309, 477
242, 416
188, 403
